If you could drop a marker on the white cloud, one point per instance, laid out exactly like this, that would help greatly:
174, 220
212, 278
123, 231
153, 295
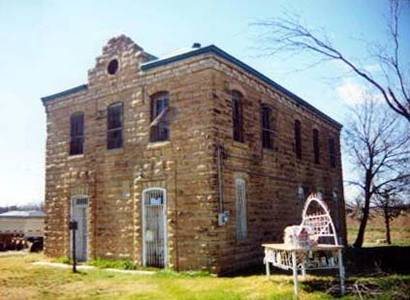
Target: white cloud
353, 93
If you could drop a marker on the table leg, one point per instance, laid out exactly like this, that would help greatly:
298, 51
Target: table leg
295, 274
341, 272
267, 267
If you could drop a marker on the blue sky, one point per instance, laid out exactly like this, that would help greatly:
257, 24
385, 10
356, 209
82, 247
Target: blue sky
48, 46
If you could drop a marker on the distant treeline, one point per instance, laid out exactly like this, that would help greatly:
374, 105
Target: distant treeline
405, 208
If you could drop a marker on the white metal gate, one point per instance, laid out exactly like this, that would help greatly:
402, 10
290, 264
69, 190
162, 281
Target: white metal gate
154, 227
79, 212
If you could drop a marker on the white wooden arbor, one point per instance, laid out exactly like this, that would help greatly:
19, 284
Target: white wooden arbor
321, 251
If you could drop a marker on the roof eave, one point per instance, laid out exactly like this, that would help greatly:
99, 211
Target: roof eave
68, 92
219, 52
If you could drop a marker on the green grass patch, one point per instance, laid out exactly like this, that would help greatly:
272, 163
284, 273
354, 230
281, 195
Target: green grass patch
122, 264
62, 260
168, 273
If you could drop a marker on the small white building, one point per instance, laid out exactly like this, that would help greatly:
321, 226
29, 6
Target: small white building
29, 223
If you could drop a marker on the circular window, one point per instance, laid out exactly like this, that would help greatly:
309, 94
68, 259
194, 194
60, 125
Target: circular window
112, 67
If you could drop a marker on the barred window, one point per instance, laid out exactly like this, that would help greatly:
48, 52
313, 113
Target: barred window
159, 120
241, 214
267, 127
114, 125
297, 139
237, 116
332, 153
316, 147
77, 133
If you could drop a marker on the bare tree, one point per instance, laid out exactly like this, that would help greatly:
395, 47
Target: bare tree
354, 209
378, 144
390, 201
289, 35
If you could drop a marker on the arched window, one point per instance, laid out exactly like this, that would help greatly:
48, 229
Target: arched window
332, 153
77, 133
267, 127
297, 135
241, 212
159, 121
316, 146
237, 116
114, 125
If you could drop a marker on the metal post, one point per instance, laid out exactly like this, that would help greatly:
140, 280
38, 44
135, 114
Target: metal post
295, 274
73, 227
341, 272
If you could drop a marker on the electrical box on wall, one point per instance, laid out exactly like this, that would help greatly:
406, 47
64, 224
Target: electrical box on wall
223, 218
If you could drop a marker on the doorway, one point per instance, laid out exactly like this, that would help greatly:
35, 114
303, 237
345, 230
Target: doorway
79, 213
154, 227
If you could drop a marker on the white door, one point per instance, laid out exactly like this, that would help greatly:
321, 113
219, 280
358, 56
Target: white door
154, 228
79, 213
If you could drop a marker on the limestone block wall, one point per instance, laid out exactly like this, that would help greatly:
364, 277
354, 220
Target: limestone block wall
272, 176
200, 118
114, 180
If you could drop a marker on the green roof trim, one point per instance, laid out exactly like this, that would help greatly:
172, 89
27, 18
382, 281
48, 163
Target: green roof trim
73, 90
212, 49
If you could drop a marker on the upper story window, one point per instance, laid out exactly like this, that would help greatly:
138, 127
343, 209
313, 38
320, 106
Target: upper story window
297, 135
77, 133
241, 214
332, 153
237, 116
316, 147
267, 127
159, 121
114, 125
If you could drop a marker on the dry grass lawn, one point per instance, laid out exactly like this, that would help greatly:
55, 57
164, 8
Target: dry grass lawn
20, 279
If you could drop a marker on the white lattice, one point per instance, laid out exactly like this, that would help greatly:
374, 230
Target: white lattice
316, 216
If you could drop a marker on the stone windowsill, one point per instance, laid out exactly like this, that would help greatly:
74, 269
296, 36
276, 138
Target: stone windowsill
115, 151
154, 145
240, 145
269, 151
77, 156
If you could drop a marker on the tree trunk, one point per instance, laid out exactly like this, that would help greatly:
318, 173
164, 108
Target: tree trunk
387, 223
362, 228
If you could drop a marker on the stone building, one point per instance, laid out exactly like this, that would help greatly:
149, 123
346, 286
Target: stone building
189, 161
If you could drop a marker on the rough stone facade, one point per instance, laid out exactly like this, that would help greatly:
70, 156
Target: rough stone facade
186, 166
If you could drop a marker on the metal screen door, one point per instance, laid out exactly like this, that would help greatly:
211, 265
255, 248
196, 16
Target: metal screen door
79, 214
154, 227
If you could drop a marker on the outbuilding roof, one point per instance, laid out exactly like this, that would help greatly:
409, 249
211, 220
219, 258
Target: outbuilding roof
211, 49
23, 214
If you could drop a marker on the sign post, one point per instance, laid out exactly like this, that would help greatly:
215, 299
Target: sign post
73, 227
